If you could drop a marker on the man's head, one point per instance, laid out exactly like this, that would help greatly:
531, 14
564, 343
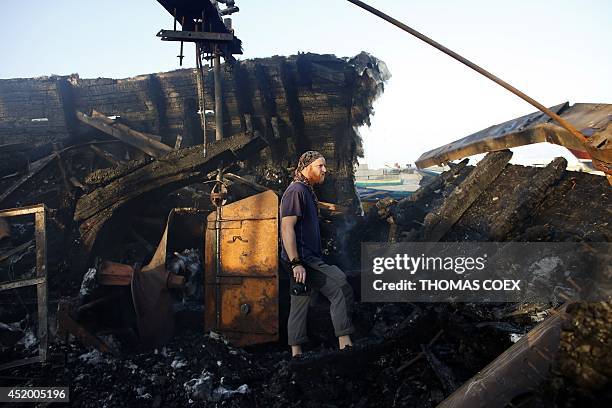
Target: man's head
312, 166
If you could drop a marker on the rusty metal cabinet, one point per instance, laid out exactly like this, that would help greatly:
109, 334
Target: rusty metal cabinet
241, 301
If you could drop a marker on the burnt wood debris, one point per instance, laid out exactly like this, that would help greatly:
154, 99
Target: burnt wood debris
126, 168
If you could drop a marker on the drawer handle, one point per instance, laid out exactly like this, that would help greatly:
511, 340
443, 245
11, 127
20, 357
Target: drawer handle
235, 237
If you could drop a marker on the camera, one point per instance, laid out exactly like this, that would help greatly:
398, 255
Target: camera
299, 289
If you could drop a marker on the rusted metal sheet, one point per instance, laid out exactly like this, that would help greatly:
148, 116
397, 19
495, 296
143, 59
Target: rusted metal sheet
40, 237
248, 278
592, 120
153, 302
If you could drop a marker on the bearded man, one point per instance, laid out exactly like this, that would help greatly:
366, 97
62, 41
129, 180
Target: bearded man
301, 256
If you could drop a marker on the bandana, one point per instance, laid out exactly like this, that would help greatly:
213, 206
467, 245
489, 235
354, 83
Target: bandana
306, 160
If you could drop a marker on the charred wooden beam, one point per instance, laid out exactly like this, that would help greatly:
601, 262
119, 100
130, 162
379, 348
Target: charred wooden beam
442, 371
76, 183
62, 168
237, 179
122, 132
67, 325
525, 198
441, 220
177, 169
515, 371
105, 155
439, 182
16, 250
35, 168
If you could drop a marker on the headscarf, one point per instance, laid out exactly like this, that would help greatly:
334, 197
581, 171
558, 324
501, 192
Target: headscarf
306, 160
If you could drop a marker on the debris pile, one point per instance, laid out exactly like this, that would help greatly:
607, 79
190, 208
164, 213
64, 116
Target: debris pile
127, 217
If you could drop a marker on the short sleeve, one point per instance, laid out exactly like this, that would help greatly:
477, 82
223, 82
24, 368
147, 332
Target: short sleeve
291, 203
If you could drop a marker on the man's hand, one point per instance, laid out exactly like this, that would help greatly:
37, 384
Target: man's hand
299, 273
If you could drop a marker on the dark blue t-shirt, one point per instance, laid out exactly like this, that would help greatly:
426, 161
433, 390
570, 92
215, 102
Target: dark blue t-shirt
300, 201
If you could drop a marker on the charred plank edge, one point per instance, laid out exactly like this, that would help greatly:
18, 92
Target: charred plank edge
525, 199
516, 370
439, 222
127, 135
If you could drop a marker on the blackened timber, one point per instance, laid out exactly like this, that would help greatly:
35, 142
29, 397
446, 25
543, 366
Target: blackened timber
175, 170
313, 112
35, 167
438, 182
268, 101
525, 198
439, 222
442, 371
105, 155
244, 96
518, 369
159, 100
122, 132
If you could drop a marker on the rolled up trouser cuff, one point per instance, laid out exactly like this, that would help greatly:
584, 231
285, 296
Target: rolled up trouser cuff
298, 342
345, 332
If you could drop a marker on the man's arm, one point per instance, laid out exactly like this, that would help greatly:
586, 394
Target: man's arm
290, 244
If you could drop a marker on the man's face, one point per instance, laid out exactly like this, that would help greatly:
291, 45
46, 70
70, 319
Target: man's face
316, 171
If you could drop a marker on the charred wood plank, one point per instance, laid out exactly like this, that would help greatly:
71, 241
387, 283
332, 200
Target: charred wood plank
439, 181
441, 220
515, 371
237, 179
525, 198
105, 155
16, 250
67, 325
76, 183
40, 164
35, 168
122, 132
62, 169
175, 170
442, 371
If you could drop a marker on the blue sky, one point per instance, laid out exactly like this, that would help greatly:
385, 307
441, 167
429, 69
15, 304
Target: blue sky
554, 51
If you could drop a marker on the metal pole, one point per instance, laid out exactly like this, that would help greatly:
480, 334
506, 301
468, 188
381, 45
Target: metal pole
201, 94
565, 124
218, 218
218, 97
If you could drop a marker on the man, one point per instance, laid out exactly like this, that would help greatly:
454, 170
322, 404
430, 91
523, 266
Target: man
301, 257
